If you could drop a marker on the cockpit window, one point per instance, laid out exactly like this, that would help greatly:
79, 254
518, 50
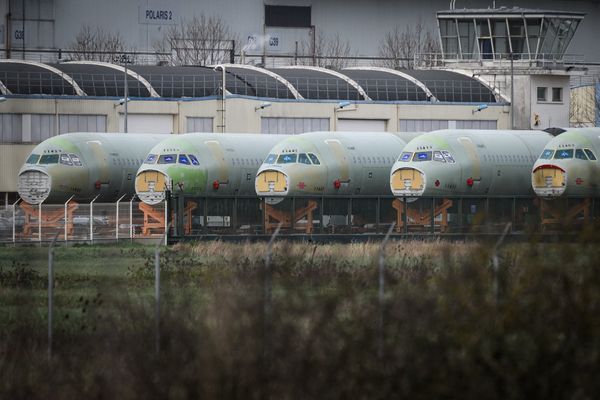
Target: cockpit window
547, 154
33, 159
437, 156
563, 154
271, 158
193, 159
580, 154
406, 156
422, 156
151, 159
590, 154
183, 159
65, 159
166, 159
49, 159
314, 159
448, 157
303, 159
287, 158
75, 159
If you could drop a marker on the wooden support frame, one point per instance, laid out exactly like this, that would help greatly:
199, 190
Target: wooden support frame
154, 219
54, 219
274, 216
555, 212
425, 219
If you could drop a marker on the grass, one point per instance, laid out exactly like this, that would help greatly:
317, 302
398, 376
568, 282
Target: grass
449, 326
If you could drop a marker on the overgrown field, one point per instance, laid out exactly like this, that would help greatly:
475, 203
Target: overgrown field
449, 325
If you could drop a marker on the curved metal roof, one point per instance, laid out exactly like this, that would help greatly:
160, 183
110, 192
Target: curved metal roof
383, 84
101, 79
321, 84
453, 87
179, 82
30, 77
294, 82
265, 83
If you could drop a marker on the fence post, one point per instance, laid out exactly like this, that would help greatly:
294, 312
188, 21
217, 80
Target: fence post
66, 218
382, 286
51, 291
267, 306
14, 224
40, 222
92, 219
167, 224
496, 262
131, 218
117, 218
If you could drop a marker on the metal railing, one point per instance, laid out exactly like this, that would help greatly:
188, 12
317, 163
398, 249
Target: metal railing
541, 60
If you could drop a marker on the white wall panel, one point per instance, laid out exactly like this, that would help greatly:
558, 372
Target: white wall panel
147, 123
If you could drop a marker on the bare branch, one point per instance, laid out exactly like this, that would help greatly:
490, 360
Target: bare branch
334, 53
98, 45
399, 47
197, 41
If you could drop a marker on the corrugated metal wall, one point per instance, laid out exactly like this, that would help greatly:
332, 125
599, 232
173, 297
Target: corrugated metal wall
12, 156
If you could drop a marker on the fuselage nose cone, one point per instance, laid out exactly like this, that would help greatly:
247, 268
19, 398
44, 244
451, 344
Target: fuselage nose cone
408, 182
150, 186
34, 186
271, 182
549, 180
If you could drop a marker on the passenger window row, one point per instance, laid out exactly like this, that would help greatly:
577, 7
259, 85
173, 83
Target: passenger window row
508, 158
245, 161
371, 160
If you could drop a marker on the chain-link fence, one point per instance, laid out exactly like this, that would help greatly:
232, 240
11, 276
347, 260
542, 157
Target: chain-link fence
78, 222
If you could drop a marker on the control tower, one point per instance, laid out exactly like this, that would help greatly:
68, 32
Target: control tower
520, 53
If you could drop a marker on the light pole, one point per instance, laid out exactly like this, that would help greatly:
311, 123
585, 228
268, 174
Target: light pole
512, 92
126, 97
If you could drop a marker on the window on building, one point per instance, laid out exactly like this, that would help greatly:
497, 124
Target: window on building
477, 124
10, 128
292, 126
288, 16
422, 125
542, 93
557, 95
199, 124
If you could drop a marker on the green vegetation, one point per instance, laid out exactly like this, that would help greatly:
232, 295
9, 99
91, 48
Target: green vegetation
449, 325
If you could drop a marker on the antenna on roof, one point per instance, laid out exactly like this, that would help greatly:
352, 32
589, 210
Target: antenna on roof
452, 4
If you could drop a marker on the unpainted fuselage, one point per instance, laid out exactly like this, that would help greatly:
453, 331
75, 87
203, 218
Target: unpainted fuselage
569, 165
84, 166
467, 162
330, 163
203, 164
